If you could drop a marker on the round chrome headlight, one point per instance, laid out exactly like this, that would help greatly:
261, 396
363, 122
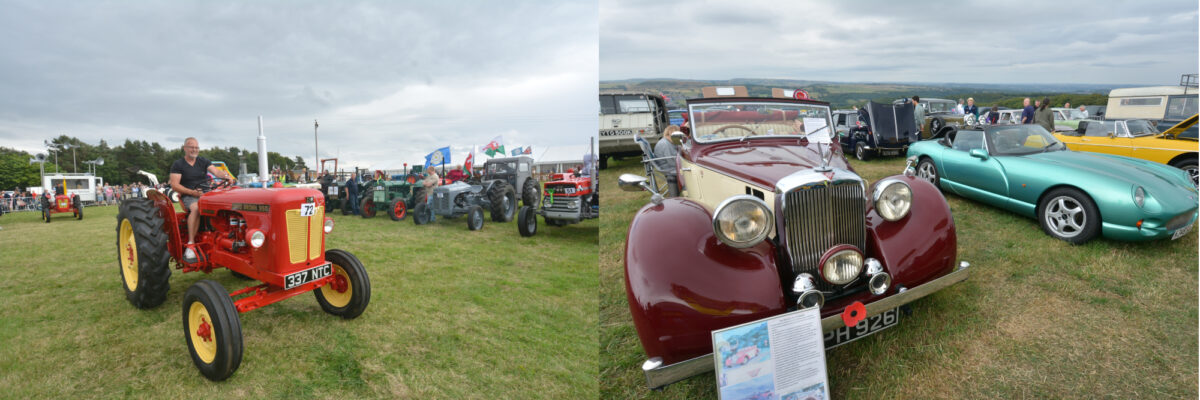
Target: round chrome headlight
742, 221
893, 199
1139, 196
257, 238
328, 224
841, 264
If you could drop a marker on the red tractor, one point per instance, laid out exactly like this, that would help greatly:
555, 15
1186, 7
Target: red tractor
275, 236
61, 204
566, 199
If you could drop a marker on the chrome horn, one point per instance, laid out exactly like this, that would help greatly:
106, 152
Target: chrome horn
810, 297
879, 280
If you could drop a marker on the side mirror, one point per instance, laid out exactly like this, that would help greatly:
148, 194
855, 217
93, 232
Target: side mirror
677, 138
633, 183
979, 153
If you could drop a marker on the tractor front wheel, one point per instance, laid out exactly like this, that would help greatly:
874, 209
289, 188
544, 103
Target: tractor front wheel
421, 214
398, 209
78, 206
475, 218
212, 329
527, 222
350, 291
368, 207
142, 256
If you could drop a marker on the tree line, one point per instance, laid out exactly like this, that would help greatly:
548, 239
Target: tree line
121, 161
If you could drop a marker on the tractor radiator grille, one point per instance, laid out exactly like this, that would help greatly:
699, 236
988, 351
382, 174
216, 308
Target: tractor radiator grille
304, 235
820, 216
443, 202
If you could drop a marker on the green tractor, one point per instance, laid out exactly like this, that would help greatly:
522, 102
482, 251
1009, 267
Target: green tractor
396, 196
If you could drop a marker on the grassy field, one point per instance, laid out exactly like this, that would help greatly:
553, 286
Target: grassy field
1038, 318
453, 314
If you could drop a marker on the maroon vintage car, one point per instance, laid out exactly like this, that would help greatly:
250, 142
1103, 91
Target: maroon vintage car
772, 219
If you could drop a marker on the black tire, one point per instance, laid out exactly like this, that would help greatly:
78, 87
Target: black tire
46, 215
420, 214
603, 162
531, 192
527, 222
475, 218
861, 152
148, 271
418, 196
353, 276
78, 206
1187, 165
398, 209
367, 207
503, 200
345, 205
927, 171
219, 354
1059, 214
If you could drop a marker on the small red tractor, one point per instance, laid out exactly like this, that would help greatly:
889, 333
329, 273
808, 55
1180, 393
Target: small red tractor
61, 204
273, 235
566, 199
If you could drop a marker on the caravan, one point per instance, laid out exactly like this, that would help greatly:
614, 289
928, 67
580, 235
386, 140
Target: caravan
1162, 104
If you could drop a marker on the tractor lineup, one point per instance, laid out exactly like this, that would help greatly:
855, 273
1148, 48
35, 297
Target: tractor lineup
504, 182
569, 198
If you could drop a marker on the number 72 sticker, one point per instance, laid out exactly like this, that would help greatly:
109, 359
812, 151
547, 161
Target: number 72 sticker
308, 209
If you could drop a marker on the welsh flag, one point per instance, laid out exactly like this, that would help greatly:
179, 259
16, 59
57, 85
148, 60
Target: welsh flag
470, 159
496, 146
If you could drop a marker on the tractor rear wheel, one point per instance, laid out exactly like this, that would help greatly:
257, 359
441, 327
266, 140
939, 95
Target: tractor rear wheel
527, 222
212, 329
421, 214
531, 193
142, 256
398, 209
504, 201
368, 208
347, 296
475, 218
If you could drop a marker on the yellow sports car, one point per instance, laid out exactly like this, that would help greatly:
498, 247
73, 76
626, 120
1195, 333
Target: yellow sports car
1134, 138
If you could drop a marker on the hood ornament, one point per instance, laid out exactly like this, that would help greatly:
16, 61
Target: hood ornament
826, 154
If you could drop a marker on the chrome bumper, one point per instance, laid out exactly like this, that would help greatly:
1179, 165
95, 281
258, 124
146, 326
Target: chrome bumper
659, 375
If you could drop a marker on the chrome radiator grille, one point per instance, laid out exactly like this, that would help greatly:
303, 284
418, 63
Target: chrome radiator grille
817, 217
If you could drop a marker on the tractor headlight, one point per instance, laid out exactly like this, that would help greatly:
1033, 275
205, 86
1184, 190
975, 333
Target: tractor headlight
893, 199
328, 224
742, 221
841, 264
1139, 196
548, 201
257, 238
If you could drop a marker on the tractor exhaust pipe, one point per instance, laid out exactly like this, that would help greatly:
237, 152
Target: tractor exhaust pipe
262, 154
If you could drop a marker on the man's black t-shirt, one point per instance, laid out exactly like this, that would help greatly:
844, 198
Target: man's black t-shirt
191, 176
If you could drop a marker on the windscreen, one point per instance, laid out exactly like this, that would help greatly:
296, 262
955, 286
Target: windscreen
721, 121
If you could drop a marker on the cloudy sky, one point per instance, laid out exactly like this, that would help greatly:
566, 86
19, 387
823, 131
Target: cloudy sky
1063, 41
389, 81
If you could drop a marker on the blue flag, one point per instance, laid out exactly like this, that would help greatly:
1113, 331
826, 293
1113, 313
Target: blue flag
438, 157
516, 151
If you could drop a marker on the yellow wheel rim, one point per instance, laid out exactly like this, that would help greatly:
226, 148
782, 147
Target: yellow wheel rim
202, 332
128, 255
332, 295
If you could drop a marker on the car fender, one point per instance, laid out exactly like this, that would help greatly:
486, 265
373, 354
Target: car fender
682, 282
920, 247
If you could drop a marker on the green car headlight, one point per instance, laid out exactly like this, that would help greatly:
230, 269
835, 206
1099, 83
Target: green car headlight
893, 199
1139, 196
742, 221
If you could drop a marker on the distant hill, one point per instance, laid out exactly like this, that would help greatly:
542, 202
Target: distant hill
846, 94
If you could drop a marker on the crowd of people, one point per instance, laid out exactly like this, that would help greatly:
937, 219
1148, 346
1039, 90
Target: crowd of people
22, 199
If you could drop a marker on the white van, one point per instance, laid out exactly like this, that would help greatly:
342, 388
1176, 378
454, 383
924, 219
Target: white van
624, 116
83, 185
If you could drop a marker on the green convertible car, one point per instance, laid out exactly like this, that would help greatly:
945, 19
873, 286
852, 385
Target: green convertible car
1074, 195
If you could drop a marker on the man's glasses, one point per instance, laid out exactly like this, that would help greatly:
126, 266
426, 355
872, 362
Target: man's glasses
191, 147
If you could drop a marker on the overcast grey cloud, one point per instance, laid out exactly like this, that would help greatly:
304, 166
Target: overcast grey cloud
1100, 42
389, 81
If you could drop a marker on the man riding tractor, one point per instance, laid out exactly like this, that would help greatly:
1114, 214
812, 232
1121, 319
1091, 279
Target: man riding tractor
187, 175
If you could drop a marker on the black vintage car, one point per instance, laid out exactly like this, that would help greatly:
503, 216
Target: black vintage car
882, 129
